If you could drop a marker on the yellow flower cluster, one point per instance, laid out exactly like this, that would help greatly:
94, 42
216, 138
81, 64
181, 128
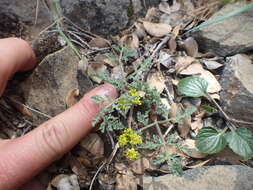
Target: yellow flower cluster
132, 154
125, 102
129, 136
135, 96
122, 103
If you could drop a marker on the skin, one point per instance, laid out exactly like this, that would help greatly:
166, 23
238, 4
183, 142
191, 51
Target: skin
23, 158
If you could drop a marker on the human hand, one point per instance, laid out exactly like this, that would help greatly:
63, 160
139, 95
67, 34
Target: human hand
23, 158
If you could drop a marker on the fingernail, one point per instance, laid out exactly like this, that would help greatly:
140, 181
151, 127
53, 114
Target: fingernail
106, 90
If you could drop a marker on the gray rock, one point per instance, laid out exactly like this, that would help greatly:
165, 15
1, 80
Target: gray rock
206, 178
237, 88
14, 12
104, 16
69, 183
47, 87
230, 36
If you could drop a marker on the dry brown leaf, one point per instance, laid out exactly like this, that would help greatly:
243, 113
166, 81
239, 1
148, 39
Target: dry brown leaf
166, 8
139, 166
213, 84
211, 65
193, 69
227, 155
171, 149
110, 62
165, 59
151, 14
20, 107
172, 44
120, 167
118, 73
83, 65
99, 42
175, 81
183, 62
196, 125
200, 164
184, 126
107, 179
130, 40
77, 168
96, 68
157, 29
196, 68
71, 97
94, 144
176, 30
125, 180
191, 47
215, 96
157, 81
173, 110
193, 152
140, 31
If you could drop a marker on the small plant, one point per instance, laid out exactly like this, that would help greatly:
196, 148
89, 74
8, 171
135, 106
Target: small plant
210, 140
135, 111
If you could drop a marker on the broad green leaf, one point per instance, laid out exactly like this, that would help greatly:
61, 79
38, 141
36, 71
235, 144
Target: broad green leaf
210, 141
241, 142
192, 87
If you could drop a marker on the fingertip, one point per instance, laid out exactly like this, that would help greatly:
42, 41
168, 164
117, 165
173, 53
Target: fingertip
104, 90
16, 55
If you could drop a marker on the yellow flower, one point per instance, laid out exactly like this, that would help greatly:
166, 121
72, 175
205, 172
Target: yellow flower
132, 154
135, 96
123, 140
129, 136
135, 139
133, 92
136, 101
122, 103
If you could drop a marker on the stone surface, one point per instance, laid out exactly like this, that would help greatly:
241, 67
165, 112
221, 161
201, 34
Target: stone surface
15, 12
104, 16
206, 178
47, 87
230, 36
237, 88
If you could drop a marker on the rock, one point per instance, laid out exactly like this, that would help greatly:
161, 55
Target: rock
208, 178
104, 17
229, 36
237, 88
49, 84
68, 183
15, 12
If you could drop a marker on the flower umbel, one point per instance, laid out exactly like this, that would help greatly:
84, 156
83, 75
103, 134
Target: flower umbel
132, 154
122, 102
135, 96
129, 136
133, 92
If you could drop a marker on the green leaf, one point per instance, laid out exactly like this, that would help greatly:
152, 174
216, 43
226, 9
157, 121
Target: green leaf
210, 141
209, 109
98, 99
241, 142
192, 87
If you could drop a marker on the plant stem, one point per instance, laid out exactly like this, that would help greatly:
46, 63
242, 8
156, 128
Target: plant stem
220, 18
168, 120
57, 13
221, 110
